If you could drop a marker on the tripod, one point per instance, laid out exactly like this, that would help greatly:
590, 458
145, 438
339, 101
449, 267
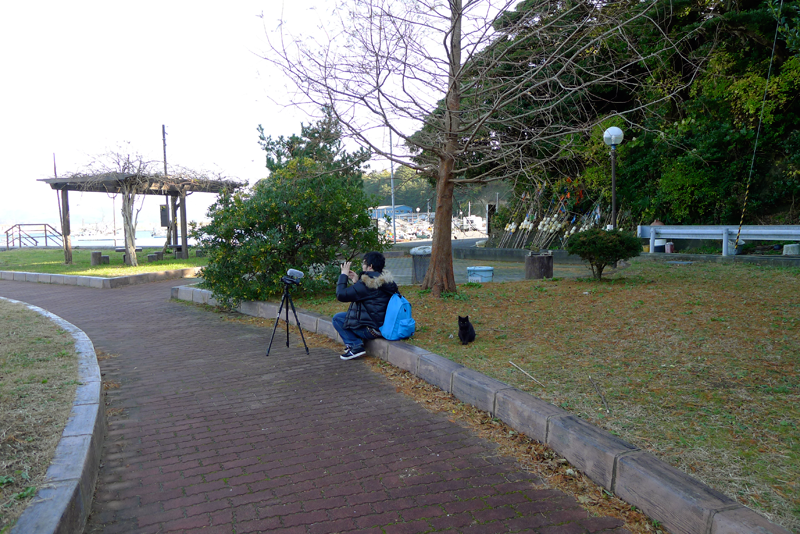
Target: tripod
287, 281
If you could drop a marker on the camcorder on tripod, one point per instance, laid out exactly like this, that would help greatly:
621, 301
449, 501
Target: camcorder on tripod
292, 279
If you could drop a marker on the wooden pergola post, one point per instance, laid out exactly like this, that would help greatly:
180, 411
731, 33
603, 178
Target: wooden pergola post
184, 237
65, 230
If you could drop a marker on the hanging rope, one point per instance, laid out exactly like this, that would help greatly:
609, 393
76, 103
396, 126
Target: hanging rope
758, 131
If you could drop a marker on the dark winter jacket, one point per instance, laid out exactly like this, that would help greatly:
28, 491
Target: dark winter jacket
369, 297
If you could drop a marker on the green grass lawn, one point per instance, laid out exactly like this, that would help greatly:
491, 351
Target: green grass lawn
51, 261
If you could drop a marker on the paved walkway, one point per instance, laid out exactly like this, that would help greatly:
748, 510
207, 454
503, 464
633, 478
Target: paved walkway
214, 437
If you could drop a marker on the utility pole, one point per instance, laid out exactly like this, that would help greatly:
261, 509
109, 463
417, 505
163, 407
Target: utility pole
391, 174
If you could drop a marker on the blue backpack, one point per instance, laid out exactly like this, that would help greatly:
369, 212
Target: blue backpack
398, 323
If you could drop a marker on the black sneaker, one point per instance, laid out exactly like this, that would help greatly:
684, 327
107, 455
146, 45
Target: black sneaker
353, 353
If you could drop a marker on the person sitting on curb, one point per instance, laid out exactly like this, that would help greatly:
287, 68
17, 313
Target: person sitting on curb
368, 296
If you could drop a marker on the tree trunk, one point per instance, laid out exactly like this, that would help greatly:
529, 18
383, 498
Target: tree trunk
129, 226
440, 277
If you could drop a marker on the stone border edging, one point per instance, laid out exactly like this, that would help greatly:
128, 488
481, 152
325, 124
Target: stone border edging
98, 282
682, 504
63, 503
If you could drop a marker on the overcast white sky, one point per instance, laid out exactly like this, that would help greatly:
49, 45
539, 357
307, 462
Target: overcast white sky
80, 78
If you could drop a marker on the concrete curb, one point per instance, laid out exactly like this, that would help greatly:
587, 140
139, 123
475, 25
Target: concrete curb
63, 503
682, 504
98, 282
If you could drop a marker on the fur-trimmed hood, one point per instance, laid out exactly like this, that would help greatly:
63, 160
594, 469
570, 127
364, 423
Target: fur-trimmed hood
374, 280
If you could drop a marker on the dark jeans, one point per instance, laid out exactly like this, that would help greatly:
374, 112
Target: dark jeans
351, 337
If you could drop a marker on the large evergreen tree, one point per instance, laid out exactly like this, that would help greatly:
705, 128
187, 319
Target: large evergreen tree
308, 214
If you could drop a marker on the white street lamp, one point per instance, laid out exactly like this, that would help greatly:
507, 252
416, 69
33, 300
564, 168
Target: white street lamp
612, 137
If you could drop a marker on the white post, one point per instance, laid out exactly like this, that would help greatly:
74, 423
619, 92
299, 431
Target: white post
652, 240
724, 241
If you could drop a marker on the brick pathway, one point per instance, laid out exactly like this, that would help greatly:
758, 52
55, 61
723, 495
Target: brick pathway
214, 437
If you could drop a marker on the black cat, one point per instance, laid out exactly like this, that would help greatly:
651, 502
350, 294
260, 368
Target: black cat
466, 332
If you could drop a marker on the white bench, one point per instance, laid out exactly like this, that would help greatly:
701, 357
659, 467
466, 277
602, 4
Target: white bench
725, 233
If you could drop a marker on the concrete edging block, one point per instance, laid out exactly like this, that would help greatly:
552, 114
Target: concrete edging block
587, 447
70, 280
269, 310
743, 520
200, 296
438, 371
477, 389
308, 320
185, 293
249, 308
525, 413
6, 275
405, 355
52, 518
325, 327
31, 277
684, 505
19, 276
377, 348
44, 278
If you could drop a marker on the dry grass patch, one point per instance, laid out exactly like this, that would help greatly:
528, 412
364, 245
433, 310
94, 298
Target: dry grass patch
697, 363
38, 378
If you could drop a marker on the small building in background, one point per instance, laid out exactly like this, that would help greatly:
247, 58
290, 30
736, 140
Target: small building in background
401, 212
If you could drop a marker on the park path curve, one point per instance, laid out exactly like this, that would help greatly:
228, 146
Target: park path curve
206, 434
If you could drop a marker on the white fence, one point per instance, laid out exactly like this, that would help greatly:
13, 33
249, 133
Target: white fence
725, 233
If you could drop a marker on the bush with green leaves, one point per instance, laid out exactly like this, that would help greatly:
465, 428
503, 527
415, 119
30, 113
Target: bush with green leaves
603, 247
301, 217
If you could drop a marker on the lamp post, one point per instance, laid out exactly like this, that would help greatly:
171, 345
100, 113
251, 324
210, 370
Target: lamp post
612, 137
417, 215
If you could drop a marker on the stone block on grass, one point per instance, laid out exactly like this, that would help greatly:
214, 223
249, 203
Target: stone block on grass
325, 327
476, 389
269, 310
743, 520
405, 355
185, 293
200, 296
249, 308
308, 320
684, 505
377, 348
525, 413
587, 447
436, 370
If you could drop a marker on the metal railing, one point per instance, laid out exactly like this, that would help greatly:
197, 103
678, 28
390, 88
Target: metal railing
32, 234
725, 233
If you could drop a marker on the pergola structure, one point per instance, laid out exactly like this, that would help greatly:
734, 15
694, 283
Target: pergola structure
175, 187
